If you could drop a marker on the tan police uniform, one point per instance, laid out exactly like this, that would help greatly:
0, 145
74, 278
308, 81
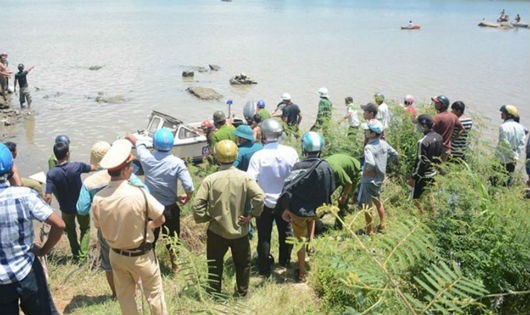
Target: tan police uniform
120, 212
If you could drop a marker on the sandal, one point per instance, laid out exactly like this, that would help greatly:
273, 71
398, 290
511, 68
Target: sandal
300, 278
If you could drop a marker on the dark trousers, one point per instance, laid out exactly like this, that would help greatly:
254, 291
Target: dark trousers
32, 293
216, 248
510, 169
264, 224
172, 215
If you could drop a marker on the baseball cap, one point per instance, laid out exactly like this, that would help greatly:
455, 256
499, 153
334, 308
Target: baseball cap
374, 125
370, 107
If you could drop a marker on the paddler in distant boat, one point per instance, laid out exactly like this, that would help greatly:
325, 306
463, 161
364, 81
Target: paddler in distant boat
517, 18
410, 25
503, 17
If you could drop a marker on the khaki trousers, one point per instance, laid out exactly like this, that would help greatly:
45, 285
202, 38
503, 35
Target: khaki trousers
127, 271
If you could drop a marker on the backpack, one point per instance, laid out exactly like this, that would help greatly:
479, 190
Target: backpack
295, 177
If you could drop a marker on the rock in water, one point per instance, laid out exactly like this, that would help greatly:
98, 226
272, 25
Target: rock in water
117, 99
204, 93
95, 68
214, 67
188, 74
242, 79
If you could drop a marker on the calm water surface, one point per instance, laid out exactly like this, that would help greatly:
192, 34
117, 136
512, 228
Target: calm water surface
352, 47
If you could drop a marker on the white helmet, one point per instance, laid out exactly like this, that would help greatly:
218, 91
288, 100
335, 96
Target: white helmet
271, 129
286, 97
323, 92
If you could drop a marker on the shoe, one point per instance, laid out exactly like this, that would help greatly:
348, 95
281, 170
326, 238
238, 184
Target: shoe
361, 232
380, 229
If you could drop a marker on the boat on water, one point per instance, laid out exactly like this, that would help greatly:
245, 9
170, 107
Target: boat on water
485, 23
520, 24
190, 142
411, 27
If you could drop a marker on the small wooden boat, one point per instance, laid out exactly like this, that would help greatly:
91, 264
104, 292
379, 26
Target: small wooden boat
411, 27
519, 24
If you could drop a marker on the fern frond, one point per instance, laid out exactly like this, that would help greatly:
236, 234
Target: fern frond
448, 290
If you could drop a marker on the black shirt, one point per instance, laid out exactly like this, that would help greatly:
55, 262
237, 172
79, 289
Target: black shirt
291, 111
314, 189
22, 80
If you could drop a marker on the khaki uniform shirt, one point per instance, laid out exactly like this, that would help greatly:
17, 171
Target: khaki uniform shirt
119, 211
221, 199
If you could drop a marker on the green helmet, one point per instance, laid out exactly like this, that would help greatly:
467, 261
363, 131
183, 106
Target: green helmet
219, 116
379, 98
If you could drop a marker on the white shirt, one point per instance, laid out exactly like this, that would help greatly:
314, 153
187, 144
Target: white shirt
511, 141
351, 113
269, 167
383, 114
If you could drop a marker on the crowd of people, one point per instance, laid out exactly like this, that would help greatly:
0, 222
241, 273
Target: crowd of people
258, 177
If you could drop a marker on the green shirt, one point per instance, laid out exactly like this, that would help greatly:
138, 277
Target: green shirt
221, 199
345, 168
324, 111
52, 161
264, 114
225, 132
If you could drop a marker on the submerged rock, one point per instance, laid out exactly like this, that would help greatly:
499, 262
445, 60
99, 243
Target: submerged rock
204, 93
95, 68
242, 79
116, 99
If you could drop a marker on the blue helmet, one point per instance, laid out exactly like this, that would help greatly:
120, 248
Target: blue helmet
163, 140
6, 159
312, 142
62, 139
261, 104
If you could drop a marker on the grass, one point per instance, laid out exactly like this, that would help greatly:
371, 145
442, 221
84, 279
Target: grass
82, 289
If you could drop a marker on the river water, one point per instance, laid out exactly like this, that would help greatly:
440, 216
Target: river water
352, 47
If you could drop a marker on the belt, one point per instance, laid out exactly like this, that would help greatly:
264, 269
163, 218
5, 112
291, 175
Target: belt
129, 253
145, 248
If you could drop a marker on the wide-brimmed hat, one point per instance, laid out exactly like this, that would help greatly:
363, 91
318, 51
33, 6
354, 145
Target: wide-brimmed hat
323, 92
374, 125
117, 156
245, 132
98, 151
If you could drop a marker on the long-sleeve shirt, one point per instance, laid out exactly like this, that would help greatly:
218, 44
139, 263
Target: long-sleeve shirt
269, 167
377, 153
221, 199
162, 172
511, 141
429, 152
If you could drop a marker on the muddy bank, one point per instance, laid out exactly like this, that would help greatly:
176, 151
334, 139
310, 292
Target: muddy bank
10, 114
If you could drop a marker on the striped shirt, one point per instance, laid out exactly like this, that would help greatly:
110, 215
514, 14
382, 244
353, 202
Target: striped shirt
459, 145
18, 207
